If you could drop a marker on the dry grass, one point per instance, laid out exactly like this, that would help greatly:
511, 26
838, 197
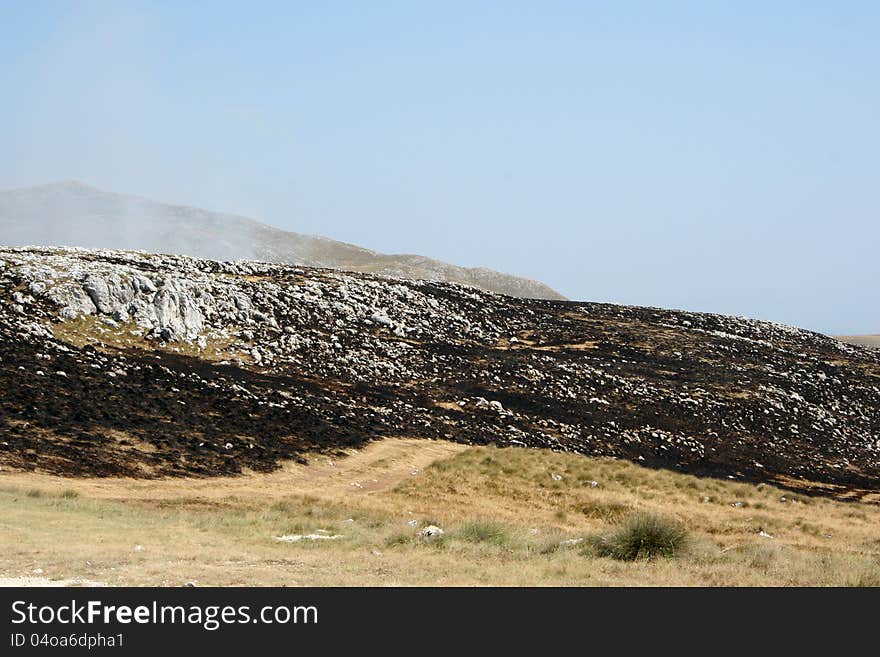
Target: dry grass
92, 330
512, 517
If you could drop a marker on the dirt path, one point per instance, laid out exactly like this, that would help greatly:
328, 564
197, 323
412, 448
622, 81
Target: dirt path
379, 466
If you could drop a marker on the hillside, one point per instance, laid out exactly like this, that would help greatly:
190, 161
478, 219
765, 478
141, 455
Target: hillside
120, 363
74, 214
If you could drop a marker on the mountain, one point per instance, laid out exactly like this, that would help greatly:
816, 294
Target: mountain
116, 362
866, 340
74, 214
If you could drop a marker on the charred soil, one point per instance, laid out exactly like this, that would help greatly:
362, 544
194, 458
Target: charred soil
190, 367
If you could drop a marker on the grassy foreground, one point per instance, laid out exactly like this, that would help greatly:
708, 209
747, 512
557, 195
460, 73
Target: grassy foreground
511, 517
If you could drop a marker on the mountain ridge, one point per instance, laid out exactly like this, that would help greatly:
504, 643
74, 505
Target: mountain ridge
72, 213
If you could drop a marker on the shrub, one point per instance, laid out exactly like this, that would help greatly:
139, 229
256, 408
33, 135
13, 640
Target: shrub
606, 510
399, 538
283, 506
642, 536
483, 532
548, 545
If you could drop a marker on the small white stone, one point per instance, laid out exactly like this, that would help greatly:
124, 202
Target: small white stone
431, 531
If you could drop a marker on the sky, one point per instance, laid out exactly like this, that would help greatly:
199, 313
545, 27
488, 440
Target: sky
706, 156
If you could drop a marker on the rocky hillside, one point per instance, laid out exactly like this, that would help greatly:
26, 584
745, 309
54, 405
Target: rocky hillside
126, 363
73, 214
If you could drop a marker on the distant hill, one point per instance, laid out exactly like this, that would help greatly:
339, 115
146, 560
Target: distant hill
74, 214
865, 340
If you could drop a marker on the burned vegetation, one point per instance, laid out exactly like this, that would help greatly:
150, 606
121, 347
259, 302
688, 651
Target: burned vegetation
123, 363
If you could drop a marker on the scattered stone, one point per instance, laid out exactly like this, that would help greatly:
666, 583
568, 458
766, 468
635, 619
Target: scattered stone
430, 532
296, 538
335, 382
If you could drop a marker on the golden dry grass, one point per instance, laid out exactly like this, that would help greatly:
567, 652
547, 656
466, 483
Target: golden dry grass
92, 330
507, 515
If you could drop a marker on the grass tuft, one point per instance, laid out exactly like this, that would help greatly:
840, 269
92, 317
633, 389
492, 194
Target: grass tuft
481, 531
398, 539
642, 536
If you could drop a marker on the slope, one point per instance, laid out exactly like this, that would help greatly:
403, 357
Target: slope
117, 363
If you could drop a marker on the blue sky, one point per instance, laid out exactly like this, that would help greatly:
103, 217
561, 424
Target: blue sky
708, 156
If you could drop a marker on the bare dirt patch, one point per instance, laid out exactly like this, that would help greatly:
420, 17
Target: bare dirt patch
379, 466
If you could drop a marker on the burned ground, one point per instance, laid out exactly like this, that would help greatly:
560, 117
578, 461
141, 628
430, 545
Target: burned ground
194, 367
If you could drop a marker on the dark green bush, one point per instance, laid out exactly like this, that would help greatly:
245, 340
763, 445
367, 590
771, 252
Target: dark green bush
642, 536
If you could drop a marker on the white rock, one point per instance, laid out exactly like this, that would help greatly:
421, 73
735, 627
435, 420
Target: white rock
296, 538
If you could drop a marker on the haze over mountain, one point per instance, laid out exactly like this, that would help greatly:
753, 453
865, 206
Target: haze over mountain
71, 213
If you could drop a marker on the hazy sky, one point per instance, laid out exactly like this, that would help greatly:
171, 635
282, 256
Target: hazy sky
700, 155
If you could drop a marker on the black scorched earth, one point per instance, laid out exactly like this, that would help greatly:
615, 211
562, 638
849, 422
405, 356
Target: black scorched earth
121, 363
